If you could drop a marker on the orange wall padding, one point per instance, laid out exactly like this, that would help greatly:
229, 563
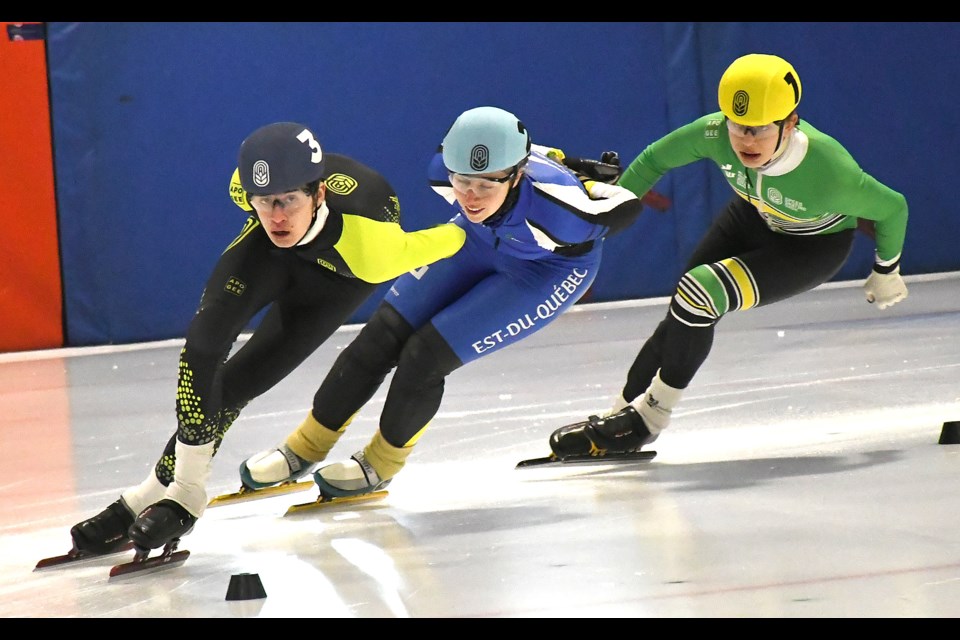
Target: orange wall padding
31, 303
36, 433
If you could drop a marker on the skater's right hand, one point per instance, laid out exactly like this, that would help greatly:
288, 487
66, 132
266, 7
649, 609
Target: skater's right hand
885, 289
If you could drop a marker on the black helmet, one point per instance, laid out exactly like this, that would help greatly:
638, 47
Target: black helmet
279, 157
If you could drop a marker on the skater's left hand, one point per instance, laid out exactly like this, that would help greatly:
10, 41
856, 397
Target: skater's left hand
599, 190
606, 170
885, 289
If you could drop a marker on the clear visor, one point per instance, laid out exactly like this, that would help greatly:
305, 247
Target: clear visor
758, 133
288, 200
478, 184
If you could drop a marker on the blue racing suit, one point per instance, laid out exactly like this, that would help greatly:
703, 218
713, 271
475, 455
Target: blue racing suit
517, 272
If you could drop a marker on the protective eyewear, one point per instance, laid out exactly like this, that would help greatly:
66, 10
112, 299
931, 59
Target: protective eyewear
758, 133
479, 184
290, 200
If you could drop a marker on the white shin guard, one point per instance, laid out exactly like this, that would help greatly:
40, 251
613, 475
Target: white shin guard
190, 475
144, 494
656, 404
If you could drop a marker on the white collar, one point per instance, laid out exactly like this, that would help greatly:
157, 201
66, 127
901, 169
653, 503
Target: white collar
319, 221
790, 158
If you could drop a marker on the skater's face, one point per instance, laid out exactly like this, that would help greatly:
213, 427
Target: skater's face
286, 217
481, 196
756, 146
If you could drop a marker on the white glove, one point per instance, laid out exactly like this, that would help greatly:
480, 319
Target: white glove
886, 289
602, 190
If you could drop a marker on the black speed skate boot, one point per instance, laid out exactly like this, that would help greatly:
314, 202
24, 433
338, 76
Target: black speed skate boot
622, 432
105, 532
160, 524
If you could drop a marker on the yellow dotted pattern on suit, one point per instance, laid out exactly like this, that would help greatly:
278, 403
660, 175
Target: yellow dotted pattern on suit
164, 469
189, 413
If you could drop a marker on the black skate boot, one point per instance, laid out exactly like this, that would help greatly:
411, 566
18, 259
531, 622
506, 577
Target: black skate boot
160, 524
622, 432
105, 532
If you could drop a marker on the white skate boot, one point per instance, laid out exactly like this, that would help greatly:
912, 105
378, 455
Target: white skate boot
272, 467
353, 477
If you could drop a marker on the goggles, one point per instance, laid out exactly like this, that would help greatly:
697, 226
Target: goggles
479, 184
289, 200
758, 133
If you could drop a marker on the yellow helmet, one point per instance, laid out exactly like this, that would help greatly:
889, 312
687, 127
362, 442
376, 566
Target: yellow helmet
758, 89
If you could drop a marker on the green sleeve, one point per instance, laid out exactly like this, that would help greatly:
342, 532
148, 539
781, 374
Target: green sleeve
680, 147
875, 201
378, 251
847, 189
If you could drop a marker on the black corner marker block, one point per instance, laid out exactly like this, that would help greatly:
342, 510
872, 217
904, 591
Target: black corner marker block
950, 434
245, 586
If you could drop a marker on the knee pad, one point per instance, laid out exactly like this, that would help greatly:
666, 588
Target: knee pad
428, 355
708, 291
380, 341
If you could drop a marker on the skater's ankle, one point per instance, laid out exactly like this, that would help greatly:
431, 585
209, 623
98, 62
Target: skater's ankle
619, 404
656, 405
186, 500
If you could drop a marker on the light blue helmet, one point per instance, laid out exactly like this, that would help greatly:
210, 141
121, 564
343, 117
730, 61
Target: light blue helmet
485, 140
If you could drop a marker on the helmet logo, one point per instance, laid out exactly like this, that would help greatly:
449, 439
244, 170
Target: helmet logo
261, 173
741, 102
479, 157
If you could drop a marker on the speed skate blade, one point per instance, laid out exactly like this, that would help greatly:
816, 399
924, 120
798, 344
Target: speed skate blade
324, 502
162, 561
246, 495
77, 556
607, 458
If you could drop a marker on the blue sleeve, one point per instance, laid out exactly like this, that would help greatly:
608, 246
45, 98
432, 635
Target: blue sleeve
437, 171
567, 214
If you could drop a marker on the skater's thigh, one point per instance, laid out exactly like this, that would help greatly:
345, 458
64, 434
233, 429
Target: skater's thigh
292, 329
508, 306
790, 265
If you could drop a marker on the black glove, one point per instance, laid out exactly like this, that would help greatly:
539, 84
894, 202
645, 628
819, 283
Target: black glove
607, 169
610, 157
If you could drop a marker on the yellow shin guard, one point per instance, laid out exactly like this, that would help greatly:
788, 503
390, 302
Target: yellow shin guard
386, 459
312, 441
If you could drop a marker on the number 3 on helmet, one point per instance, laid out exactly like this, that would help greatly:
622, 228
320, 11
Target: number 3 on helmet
276, 158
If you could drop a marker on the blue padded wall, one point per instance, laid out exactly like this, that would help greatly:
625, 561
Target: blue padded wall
148, 118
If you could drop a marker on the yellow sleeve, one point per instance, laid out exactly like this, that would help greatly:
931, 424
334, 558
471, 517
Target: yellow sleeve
379, 251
